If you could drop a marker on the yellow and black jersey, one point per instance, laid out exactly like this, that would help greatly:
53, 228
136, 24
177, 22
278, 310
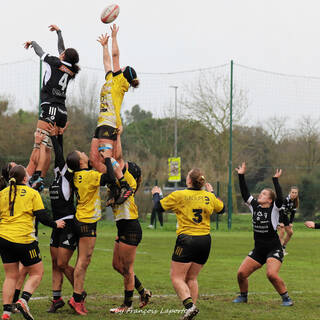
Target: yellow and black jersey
111, 97
127, 210
19, 225
193, 209
87, 189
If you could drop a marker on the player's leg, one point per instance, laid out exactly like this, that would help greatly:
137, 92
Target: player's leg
23, 272
289, 234
247, 267
96, 160
273, 268
64, 256
281, 232
192, 280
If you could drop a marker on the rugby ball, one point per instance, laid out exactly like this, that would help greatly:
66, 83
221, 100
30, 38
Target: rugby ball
110, 13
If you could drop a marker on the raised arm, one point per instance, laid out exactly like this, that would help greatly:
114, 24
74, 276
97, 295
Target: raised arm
37, 49
61, 46
34, 157
156, 197
279, 196
115, 48
103, 39
242, 182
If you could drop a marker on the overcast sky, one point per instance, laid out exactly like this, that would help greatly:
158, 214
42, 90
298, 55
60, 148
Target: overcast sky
174, 35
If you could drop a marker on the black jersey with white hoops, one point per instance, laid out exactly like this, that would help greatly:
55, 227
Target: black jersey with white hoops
57, 74
264, 220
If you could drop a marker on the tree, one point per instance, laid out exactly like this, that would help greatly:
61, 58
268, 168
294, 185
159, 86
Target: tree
136, 114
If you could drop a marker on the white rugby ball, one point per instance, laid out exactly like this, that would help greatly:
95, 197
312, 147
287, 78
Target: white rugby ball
110, 13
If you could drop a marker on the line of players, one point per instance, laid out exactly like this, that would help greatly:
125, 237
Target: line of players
76, 227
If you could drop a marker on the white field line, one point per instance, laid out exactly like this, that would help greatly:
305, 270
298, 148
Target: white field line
174, 295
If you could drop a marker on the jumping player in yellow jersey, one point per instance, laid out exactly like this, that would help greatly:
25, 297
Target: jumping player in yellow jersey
86, 184
19, 206
109, 128
193, 208
126, 243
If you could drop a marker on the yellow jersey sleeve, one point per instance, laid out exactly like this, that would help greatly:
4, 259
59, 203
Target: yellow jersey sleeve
218, 204
171, 202
37, 202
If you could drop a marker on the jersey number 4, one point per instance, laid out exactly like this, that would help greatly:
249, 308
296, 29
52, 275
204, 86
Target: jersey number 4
197, 215
63, 81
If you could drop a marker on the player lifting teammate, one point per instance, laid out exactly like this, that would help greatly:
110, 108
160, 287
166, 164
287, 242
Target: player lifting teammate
59, 71
193, 208
126, 243
267, 245
109, 128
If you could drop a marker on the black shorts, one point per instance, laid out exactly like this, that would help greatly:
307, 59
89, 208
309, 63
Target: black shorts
64, 238
28, 254
129, 231
106, 132
192, 249
82, 229
283, 218
261, 253
54, 113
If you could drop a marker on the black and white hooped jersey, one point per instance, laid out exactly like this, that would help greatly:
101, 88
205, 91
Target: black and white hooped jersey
55, 80
264, 220
61, 195
289, 208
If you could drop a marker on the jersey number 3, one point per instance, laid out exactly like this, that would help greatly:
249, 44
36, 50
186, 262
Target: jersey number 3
63, 81
197, 215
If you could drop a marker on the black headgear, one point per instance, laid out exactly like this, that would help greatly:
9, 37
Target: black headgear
129, 73
135, 170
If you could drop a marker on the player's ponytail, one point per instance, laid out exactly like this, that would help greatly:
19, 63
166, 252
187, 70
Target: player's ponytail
130, 74
71, 55
16, 176
197, 178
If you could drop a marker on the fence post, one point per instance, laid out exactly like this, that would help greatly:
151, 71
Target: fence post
230, 151
217, 216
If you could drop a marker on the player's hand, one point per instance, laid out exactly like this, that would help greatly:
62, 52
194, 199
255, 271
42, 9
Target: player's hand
278, 173
60, 224
52, 129
62, 130
53, 27
103, 39
208, 187
114, 30
27, 44
38, 137
241, 169
120, 130
310, 224
155, 189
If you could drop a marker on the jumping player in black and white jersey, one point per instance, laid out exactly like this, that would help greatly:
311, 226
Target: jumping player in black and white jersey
267, 245
62, 242
58, 72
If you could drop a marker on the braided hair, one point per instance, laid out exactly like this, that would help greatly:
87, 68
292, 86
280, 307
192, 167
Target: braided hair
16, 176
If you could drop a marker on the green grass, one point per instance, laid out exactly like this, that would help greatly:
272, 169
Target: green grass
217, 281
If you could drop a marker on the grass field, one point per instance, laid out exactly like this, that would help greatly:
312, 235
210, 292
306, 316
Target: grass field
217, 281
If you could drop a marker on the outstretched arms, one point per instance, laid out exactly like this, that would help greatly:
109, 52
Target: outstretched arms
61, 46
242, 182
103, 39
37, 49
279, 197
115, 48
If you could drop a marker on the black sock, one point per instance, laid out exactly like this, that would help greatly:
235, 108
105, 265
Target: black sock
283, 246
16, 296
137, 284
77, 297
37, 173
123, 182
26, 295
284, 295
56, 294
128, 296
244, 294
7, 307
188, 303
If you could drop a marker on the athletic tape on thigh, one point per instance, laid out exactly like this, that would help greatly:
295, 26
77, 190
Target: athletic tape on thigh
106, 146
46, 140
114, 163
